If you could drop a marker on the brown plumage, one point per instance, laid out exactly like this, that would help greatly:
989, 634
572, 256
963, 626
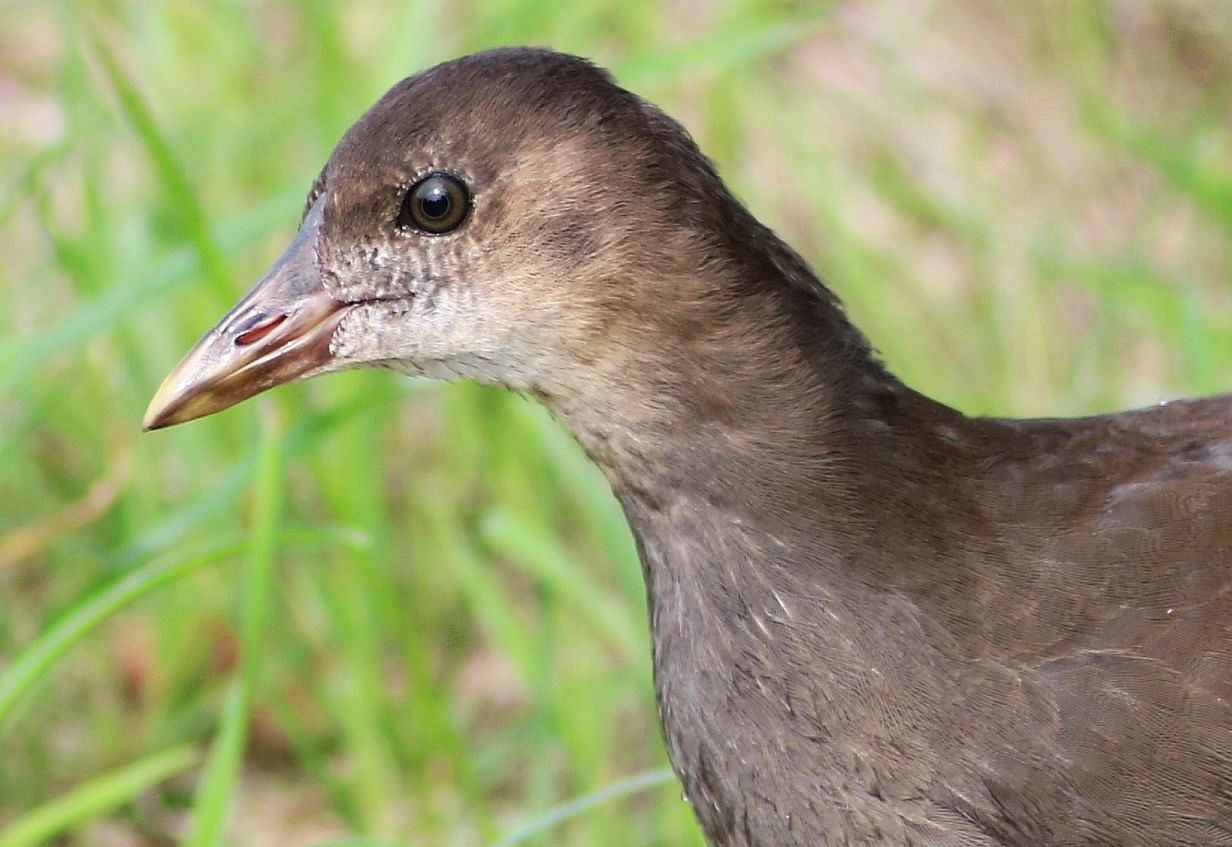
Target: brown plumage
875, 620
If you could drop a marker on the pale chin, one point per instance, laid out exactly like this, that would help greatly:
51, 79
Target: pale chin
383, 335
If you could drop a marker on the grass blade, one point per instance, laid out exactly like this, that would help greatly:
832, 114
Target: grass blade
555, 816
174, 178
22, 355
97, 796
223, 765
738, 45
77, 622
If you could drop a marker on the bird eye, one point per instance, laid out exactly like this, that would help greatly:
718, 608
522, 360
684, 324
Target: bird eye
436, 204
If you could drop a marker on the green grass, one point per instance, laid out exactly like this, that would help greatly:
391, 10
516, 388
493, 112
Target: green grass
368, 611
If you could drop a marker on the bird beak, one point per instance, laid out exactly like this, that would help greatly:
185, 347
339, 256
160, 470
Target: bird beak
279, 332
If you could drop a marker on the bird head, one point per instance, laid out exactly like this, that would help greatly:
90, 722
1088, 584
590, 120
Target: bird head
501, 217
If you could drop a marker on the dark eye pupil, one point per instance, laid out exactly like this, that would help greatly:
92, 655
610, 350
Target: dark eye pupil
435, 205
434, 201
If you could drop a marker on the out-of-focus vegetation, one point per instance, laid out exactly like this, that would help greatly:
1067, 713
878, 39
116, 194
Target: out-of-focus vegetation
368, 607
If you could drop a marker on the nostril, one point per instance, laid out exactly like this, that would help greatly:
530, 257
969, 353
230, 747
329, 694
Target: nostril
252, 336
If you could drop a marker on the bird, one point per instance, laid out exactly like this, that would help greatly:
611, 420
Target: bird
874, 619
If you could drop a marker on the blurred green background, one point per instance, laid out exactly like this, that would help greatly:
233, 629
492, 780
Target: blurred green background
365, 606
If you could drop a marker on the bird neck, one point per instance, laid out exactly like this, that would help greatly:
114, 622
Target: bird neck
756, 396
777, 481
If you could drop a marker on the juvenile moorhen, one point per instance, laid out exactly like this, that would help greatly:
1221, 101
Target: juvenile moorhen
875, 620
